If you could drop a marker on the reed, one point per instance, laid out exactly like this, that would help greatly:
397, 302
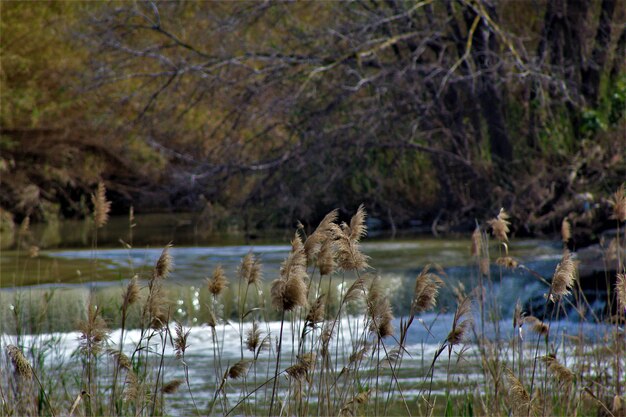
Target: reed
336, 347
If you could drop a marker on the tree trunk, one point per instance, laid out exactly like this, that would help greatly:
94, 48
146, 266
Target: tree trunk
492, 105
592, 72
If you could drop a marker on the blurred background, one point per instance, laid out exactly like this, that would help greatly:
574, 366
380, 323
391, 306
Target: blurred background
250, 116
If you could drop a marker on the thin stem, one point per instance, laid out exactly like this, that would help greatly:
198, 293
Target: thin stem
280, 342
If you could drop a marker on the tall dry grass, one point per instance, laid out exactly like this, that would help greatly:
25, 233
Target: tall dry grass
322, 339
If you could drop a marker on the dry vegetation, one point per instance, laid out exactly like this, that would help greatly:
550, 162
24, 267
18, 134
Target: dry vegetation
324, 358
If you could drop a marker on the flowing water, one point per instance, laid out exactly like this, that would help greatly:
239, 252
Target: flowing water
47, 294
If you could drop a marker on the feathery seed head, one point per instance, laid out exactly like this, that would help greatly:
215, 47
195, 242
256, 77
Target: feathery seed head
93, 331
564, 276
180, 341
218, 282
358, 355
519, 398
101, 207
21, 364
157, 307
461, 322
164, 264
347, 238
314, 242
254, 341
427, 287
358, 229
239, 369
618, 201
120, 358
507, 262
295, 264
356, 290
301, 369
537, 325
131, 295
290, 291
379, 310
250, 269
172, 386
500, 226
326, 257
566, 230
131, 387
316, 312
564, 375
326, 336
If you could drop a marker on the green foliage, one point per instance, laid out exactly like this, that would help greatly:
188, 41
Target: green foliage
281, 111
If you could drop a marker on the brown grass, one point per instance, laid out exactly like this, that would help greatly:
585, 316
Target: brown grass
101, 206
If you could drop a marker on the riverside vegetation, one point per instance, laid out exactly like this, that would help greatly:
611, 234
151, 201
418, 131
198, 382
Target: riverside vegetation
307, 346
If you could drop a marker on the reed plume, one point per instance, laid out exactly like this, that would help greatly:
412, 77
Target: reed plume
356, 291
537, 325
358, 355
131, 386
254, 340
180, 340
316, 312
500, 226
379, 311
564, 375
301, 369
157, 307
347, 238
326, 257
94, 331
121, 360
314, 242
566, 230
164, 264
22, 367
519, 399
172, 386
131, 294
507, 262
101, 207
218, 282
289, 291
361, 398
239, 369
460, 323
326, 336
564, 277
618, 201
427, 287
250, 269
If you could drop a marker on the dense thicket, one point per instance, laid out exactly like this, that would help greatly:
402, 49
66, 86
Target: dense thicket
274, 111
